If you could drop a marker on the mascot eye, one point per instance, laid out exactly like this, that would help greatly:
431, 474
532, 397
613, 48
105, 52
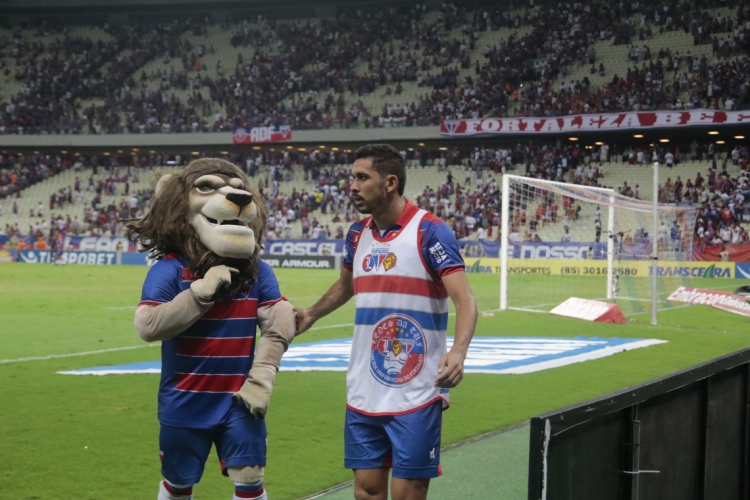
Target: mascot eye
204, 189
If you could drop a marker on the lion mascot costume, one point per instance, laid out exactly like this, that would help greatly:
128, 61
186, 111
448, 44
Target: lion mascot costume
203, 299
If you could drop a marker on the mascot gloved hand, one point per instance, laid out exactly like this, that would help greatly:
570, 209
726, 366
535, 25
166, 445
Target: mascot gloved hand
204, 298
214, 280
278, 330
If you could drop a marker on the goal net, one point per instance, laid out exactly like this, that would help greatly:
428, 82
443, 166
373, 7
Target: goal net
567, 240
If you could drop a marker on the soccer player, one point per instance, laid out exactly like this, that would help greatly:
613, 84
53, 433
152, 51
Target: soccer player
401, 265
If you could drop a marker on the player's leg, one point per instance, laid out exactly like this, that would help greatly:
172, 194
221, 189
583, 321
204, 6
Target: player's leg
241, 446
367, 451
415, 439
411, 489
183, 454
371, 484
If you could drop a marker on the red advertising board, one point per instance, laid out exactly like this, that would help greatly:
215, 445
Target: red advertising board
590, 310
592, 122
726, 301
257, 135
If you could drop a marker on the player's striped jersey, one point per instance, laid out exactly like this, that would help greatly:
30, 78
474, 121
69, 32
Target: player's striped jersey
204, 365
402, 314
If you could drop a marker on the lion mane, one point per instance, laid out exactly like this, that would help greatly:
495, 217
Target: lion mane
166, 228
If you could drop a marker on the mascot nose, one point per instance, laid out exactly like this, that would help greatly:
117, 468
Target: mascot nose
240, 199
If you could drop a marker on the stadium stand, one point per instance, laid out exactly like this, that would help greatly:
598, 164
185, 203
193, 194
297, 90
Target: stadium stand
400, 66
306, 192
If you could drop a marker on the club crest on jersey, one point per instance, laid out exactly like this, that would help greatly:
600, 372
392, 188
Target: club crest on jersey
398, 350
379, 257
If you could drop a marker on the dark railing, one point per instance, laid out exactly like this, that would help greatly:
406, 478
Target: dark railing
681, 437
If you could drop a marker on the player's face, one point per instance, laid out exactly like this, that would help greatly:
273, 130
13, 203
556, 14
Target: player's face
368, 191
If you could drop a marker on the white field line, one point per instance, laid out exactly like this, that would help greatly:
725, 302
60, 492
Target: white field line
75, 354
101, 351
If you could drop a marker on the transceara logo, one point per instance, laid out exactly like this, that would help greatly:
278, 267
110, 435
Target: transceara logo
694, 272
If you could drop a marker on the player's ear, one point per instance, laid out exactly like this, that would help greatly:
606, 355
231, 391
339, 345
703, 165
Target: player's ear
391, 183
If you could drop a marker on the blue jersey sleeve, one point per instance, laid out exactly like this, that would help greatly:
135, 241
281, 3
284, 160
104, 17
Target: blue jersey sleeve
439, 247
350, 246
162, 282
268, 286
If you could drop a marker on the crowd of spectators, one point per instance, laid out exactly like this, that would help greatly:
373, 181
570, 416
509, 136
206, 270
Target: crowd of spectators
314, 74
469, 199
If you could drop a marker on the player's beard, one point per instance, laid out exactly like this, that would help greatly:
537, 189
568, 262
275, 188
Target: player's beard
373, 203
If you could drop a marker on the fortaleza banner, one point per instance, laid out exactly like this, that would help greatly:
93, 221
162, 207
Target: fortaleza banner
665, 269
593, 122
257, 135
726, 301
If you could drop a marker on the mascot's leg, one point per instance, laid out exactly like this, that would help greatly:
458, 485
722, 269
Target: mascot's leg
169, 491
248, 482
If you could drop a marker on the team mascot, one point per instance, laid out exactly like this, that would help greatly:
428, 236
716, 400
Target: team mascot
203, 299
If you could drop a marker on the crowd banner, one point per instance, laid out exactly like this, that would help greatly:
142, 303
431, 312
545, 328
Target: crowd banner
257, 135
586, 267
737, 253
593, 122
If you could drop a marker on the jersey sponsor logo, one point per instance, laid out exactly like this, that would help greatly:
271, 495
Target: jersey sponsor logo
378, 257
398, 350
438, 253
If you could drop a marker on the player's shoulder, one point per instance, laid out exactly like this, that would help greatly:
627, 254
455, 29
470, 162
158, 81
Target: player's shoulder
358, 226
432, 221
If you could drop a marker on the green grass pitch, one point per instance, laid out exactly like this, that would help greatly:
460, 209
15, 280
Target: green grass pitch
96, 437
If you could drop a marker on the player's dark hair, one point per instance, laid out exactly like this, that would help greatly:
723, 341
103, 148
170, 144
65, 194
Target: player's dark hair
385, 161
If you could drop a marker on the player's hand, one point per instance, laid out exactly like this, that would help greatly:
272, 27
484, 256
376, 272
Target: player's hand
303, 319
215, 278
256, 391
450, 370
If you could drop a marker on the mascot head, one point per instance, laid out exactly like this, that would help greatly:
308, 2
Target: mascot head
209, 214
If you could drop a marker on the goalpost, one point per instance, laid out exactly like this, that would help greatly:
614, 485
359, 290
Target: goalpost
561, 240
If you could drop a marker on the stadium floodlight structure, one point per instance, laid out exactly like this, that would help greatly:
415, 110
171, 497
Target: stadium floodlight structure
562, 240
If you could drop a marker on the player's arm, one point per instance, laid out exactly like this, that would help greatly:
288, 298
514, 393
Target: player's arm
168, 319
336, 296
451, 367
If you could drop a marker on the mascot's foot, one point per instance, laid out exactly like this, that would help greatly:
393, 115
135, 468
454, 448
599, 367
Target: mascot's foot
169, 491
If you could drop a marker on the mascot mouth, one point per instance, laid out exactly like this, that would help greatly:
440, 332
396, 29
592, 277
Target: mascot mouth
232, 222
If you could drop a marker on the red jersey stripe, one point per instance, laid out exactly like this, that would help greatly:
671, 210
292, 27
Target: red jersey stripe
208, 383
215, 347
149, 303
236, 309
188, 276
272, 302
399, 284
